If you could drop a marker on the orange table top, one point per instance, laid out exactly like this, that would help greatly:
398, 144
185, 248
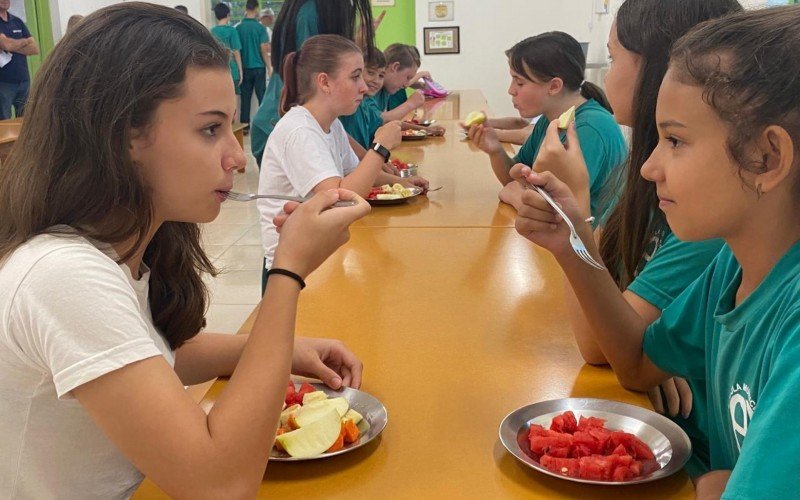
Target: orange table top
457, 327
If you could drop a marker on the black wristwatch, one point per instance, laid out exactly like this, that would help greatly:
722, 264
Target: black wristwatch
375, 146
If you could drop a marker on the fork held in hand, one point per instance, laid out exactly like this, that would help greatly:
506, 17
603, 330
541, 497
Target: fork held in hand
230, 195
574, 239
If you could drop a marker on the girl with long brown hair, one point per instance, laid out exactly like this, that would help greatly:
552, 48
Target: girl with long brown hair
128, 145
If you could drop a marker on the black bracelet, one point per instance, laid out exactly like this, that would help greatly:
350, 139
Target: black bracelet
290, 274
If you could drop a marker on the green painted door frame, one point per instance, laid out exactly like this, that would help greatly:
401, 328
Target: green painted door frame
37, 14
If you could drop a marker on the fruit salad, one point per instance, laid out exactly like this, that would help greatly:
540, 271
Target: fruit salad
312, 423
387, 192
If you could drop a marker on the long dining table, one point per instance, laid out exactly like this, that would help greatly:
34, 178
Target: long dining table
459, 321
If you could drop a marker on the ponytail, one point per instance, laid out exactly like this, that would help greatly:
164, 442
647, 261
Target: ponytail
290, 95
320, 54
591, 91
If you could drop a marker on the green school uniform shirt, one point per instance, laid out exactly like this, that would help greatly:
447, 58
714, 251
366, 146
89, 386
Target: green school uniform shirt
749, 356
382, 100
602, 143
252, 34
229, 37
396, 99
668, 267
362, 124
267, 115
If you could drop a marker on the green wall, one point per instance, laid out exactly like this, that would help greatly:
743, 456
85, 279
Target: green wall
399, 25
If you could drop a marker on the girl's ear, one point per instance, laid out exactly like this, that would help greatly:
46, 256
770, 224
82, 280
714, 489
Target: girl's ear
554, 86
394, 67
323, 83
776, 151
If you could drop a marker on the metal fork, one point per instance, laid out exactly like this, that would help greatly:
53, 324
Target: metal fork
230, 195
574, 239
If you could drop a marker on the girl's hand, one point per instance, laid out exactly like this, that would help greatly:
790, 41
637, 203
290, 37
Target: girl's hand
327, 360
564, 161
435, 130
485, 138
536, 219
417, 99
678, 397
416, 181
389, 135
390, 169
310, 232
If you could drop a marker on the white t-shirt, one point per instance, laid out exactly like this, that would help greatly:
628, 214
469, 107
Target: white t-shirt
298, 156
68, 315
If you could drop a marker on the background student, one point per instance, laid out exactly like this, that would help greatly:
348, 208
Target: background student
255, 53
309, 151
547, 78
297, 22
229, 38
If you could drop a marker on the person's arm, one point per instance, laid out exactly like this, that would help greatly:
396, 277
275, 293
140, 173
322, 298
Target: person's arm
237, 57
364, 176
414, 101
515, 136
31, 48
619, 329
509, 123
25, 46
358, 149
144, 410
711, 485
264, 49
585, 336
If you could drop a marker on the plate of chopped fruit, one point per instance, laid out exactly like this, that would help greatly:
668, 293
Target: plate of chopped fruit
320, 422
392, 194
595, 441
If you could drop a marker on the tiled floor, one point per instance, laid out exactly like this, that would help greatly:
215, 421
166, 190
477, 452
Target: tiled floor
233, 241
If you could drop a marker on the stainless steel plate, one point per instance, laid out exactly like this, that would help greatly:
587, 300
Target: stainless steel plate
415, 191
669, 443
373, 411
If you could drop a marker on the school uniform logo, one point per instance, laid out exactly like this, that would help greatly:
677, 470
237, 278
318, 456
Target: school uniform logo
741, 406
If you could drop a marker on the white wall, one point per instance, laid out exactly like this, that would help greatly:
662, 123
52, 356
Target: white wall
62, 10
489, 28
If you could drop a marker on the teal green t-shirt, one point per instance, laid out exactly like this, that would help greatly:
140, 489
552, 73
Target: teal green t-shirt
267, 115
397, 99
252, 34
382, 100
229, 37
602, 143
749, 356
362, 124
670, 266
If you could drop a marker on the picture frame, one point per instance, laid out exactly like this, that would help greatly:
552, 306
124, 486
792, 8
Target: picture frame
382, 3
444, 40
439, 11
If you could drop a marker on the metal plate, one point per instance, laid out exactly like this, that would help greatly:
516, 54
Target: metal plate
414, 137
669, 443
373, 411
415, 191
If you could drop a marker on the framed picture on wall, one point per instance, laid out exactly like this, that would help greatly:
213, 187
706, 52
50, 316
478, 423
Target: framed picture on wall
443, 40
440, 11
382, 3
